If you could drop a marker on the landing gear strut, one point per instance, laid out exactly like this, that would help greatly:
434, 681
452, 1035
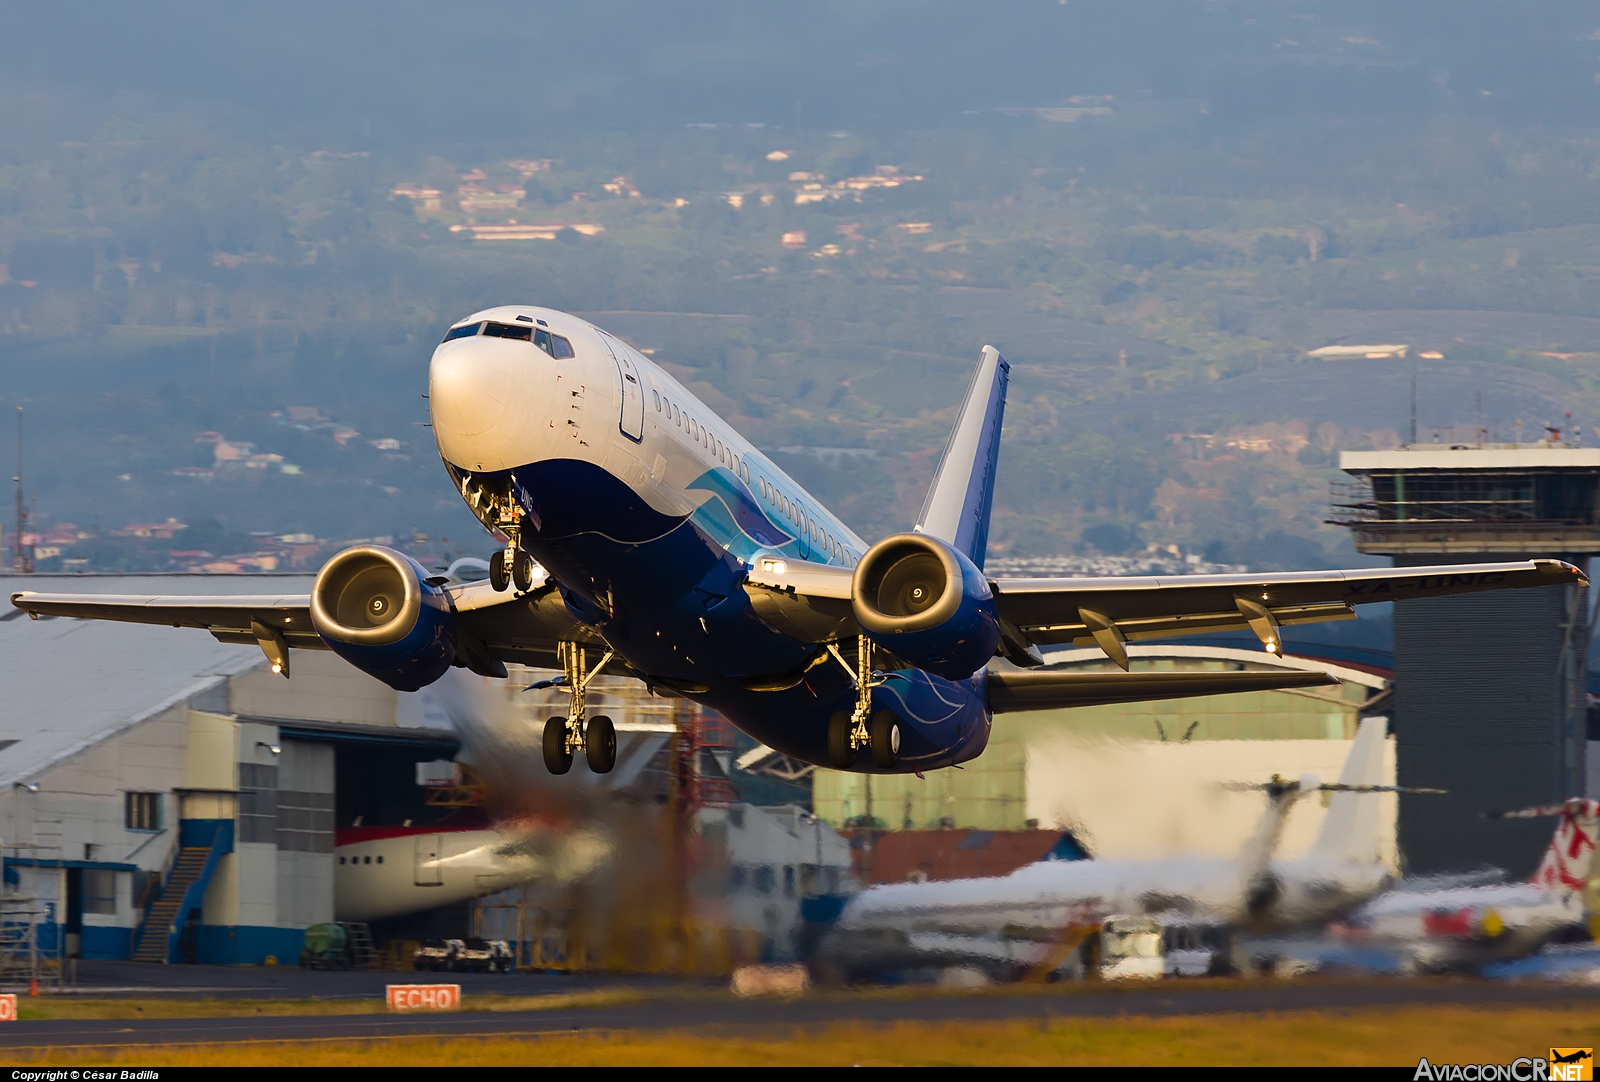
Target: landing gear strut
596, 737
849, 732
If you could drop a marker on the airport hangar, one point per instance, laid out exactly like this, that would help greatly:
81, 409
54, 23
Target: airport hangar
124, 747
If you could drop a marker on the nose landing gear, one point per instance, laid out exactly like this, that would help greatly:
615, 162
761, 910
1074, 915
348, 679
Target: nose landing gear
511, 566
596, 737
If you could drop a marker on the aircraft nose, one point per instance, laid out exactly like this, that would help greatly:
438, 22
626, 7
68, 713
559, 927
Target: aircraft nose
468, 388
478, 395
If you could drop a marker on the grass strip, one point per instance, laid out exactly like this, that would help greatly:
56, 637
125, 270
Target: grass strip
1368, 1037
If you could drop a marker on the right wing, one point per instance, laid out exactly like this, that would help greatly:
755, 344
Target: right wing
491, 628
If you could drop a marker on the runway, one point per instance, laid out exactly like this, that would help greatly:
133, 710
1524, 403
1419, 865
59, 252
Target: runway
702, 1011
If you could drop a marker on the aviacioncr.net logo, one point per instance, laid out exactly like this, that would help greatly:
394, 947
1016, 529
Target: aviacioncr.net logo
1563, 1065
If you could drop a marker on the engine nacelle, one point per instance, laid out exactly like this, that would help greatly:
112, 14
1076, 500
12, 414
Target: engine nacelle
374, 608
922, 600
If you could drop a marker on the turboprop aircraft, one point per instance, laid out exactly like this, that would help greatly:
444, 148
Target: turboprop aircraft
1013, 923
645, 537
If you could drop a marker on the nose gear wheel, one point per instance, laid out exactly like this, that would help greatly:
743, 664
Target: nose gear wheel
521, 570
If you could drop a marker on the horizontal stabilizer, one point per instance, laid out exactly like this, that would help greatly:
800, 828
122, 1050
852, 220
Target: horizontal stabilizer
1010, 692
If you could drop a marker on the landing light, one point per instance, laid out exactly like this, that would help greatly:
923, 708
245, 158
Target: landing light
775, 567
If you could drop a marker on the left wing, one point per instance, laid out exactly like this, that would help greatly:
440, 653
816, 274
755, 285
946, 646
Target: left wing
1109, 612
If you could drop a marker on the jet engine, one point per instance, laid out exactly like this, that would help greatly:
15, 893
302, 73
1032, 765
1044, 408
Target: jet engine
374, 607
925, 602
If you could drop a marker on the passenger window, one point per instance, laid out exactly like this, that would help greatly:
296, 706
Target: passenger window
462, 332
507, 330
657, 396
563, 348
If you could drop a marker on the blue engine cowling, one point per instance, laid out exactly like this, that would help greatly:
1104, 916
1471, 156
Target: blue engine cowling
925, 602
374, 608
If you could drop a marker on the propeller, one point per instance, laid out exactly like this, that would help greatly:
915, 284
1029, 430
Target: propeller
1280, 788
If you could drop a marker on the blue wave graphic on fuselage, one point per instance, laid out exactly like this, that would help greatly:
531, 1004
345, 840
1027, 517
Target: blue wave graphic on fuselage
920, 698
734, 516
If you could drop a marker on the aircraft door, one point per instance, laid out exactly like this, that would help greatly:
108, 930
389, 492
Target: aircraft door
632, 420
429, 848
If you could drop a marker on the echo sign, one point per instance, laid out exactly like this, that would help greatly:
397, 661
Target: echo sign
424, 997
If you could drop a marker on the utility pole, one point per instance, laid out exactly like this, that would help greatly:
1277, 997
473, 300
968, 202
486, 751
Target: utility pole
23, 563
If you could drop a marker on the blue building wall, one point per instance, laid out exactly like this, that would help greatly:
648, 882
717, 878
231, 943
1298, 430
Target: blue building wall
247, 945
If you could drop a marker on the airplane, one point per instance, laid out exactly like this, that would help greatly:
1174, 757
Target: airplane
1009, 924
1454, 927
387, 871
645, 537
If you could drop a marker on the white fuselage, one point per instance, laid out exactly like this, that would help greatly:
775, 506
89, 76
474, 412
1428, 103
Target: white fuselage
1038, 902
498, 404
417, 870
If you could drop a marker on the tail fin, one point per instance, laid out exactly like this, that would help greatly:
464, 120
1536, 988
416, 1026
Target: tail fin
957, 508
1350, 831
1568, 860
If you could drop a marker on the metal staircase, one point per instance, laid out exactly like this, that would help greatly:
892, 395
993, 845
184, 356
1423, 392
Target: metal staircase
362, 953
201, 843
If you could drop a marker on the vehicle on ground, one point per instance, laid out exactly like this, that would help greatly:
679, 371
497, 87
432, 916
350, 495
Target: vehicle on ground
327, 946
433, 955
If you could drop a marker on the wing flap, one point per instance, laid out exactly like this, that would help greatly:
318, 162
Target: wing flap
1012, 692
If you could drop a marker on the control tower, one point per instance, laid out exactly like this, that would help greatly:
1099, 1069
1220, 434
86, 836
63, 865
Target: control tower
1490, 692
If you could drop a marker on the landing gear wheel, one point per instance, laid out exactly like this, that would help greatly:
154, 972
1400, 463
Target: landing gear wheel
521, 570
840, 753
600, 744
557, 757
498, 578
885, 739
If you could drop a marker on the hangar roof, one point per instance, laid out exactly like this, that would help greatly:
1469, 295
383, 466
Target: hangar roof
66, 685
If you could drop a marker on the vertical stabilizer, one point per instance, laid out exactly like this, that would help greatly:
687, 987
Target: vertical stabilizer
1568, 861
1350, 832
958, 503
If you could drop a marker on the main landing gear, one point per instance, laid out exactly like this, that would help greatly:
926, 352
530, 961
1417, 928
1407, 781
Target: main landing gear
511, 566
596, 737
850, 731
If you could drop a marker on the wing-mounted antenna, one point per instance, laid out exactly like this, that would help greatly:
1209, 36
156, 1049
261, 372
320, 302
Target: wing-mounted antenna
959, 500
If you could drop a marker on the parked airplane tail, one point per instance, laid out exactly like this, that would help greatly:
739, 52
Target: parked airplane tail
1351, 830
957, 508
1569, 858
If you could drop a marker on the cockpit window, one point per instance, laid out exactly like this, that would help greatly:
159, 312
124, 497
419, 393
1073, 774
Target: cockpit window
462, 332
507, 330
553, 344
